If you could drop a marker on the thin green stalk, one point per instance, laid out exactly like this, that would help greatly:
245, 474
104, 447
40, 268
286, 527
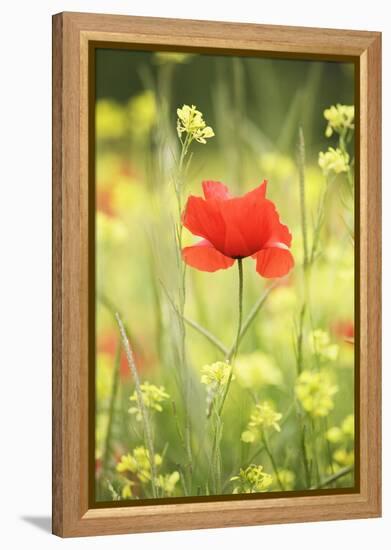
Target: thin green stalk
216, 456
319, 223
300, 340
315, 452
219, 406
208, 335
231, 357
271, 458
342, 473
140, 402
306, 465
305, 308
182, 300
196, 326
113, 397
250, 318
301, 166
240, 309
328, 446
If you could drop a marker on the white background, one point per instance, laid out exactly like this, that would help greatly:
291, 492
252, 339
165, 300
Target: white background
25, 272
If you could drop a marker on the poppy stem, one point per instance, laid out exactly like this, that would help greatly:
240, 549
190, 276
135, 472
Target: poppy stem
240, 317
232, 355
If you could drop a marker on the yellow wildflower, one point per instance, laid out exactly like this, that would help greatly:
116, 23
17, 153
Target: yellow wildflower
168, 482
257, 369
334, 160
110, 119
315, 392
334, 434
152, 396
142, 112
215, 374
263, 417
127, 489
252, 480
287, 479
320, 345
191, 122
347, 426
138, 463
340, 118
344, 457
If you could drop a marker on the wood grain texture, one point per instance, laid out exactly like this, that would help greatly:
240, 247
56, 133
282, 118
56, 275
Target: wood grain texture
72, 34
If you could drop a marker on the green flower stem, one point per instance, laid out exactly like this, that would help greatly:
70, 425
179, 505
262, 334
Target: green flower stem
341, 473
113, 397
208, 335
215, 463
228, 353
196, 326
273, 462
250, 318
306, 462
315, 452
240, 302
185, 381
216, 415
301, 165
140, 402
328, 446
231, 358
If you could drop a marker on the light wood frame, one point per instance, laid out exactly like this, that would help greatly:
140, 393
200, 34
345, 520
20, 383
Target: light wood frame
72, 33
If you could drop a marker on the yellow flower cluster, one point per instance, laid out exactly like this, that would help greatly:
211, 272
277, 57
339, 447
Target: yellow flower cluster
137, 118
252, 480
321, 346
191, 122
168, 482
343, 436
138, 463
110, 119
338, 434
315, 391
340, 118
287, 479
333, 160
152, 397
142, 113
257, 369
263, 418
216, 374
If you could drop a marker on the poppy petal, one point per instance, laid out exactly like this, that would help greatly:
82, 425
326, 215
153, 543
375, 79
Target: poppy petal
275, 261
203, 218
215, 190
251, 224
205, 257
259, 192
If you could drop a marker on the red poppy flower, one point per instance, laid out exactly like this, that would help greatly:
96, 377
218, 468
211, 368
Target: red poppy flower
236, 227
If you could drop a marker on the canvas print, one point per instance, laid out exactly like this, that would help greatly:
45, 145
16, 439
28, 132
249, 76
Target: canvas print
224, 276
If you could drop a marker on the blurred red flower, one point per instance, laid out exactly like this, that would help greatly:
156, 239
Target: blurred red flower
108, 341
344, 329
233, 228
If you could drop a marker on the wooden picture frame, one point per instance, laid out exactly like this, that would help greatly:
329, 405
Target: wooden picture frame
73, 34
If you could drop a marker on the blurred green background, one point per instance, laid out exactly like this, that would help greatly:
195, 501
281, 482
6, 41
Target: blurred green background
255, 107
